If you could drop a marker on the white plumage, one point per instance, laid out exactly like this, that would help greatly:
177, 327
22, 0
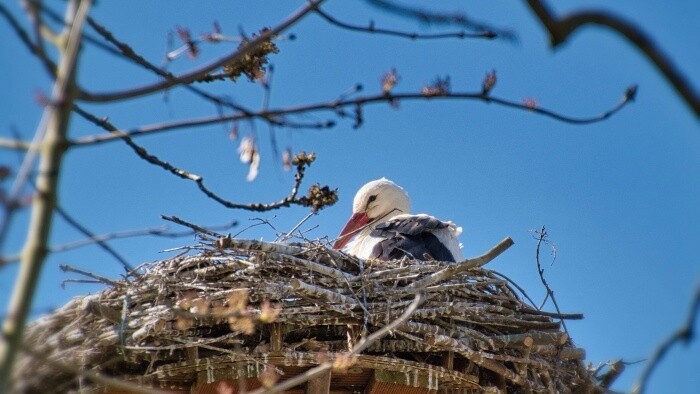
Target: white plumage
383, 228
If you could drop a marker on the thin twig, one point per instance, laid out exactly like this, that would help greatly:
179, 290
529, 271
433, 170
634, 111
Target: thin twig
542, 237
560, 28
191, 76
397, 33
337, 105
356, 350
92, 238
684, 334
128, 52
161, 231
68, 268
193, 226
49, 65
302, 221
446, 18
287, 201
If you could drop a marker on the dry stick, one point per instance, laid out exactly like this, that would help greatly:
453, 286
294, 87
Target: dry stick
67, 268
396, 33
560, 29
57, 115
684, 333
192, 76
462, 266
357, 349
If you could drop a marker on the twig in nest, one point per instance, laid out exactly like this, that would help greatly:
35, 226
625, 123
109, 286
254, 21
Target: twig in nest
194, 227
100, 279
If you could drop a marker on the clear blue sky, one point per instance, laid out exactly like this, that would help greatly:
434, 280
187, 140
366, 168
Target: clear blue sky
619, 198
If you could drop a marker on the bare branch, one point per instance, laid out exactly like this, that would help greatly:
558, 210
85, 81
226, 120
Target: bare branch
396, 33
91, 237
318, 197
444, 18
128, 52
192, 76
357, 349
37, 51
560, 29
684, 334
337, 106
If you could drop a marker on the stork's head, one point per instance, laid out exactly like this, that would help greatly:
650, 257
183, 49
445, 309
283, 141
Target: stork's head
375, 202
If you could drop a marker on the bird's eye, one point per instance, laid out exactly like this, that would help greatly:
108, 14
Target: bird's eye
372, 198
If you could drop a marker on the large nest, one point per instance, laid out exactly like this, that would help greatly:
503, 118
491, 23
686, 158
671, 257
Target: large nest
249, 308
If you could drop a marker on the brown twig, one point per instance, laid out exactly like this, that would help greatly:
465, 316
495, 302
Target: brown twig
684, 334
560, 28
356, 350
397, 33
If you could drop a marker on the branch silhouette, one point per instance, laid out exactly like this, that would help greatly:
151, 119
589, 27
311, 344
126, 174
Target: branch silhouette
560, 28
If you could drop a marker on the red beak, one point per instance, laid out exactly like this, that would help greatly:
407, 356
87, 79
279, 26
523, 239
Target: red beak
354, 224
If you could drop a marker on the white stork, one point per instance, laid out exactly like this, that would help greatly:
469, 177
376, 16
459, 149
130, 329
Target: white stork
384, 229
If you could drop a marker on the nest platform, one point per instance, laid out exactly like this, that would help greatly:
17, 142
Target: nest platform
242, 315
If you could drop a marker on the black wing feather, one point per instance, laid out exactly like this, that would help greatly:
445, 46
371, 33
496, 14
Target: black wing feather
411, 237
